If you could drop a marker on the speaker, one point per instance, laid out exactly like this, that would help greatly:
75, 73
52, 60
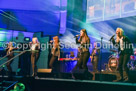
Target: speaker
82, 74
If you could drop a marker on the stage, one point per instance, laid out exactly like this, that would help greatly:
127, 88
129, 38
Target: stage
71, 84
65, 81
58, 45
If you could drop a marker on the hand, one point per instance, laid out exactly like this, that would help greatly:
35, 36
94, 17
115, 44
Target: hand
51, 41
91, 57
76, 36
112, 39
58, 58
30, 43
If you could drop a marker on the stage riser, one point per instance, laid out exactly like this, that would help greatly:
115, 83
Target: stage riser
132, 76
51, 85
81, 76
105, 77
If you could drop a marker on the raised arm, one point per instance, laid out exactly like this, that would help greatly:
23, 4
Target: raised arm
78, 41
113, 41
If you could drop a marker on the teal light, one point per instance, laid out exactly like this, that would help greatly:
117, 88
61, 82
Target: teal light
90, 30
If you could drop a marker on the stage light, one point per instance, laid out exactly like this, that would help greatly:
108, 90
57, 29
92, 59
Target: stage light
19, 87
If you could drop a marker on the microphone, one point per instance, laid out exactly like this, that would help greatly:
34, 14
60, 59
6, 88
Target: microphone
112, 37
76, 35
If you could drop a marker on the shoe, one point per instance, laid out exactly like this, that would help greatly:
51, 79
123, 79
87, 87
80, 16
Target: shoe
119, 80
73, 76
33, 75
18, 70
126, 79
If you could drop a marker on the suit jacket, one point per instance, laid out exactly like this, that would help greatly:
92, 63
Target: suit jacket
127, 42
84, 45
55, 51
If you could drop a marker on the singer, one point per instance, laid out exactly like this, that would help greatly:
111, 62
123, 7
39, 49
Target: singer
35, 49
124, 55
84, 42
55, 52
9, 51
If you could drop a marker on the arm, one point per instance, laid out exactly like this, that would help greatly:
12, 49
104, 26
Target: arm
78, 41
58, 53
128, 42
113, 41
88, 42
92, 52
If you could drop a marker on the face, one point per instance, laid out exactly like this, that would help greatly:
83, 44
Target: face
34, 40
118, 33
55, 40
82, 33
95, 44
10, 43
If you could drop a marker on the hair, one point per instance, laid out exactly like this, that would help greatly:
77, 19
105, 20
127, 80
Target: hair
35, 39
85, 34
10, 45
56, 38
121, 33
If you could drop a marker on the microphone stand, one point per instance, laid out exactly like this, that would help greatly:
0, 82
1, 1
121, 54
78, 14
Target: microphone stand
101, 59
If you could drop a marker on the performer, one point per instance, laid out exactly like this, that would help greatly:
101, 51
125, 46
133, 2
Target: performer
35, 49
125, 52
10, 54
55, 52
95, 57
84, 41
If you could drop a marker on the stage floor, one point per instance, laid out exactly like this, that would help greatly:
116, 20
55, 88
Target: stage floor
88, 81
87, 85
60, 84
100, 81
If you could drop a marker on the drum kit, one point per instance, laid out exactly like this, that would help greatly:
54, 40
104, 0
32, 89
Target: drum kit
113, 62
